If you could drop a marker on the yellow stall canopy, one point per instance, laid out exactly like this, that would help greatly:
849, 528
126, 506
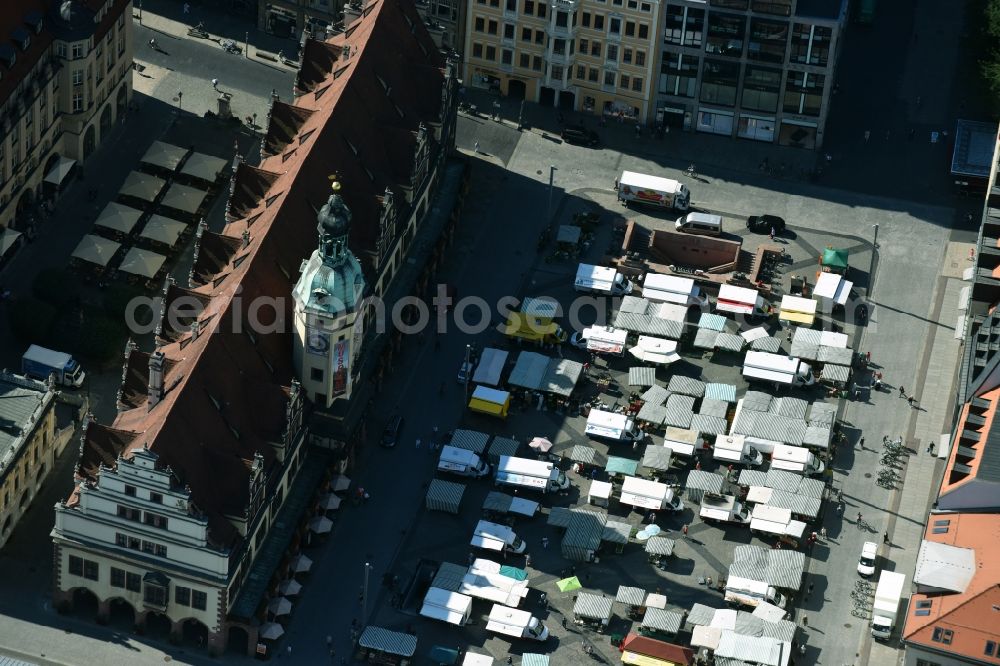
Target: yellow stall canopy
798, 310
636, 659
533, 328
486, 400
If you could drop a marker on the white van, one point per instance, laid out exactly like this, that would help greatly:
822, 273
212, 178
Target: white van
705, 224
777, 369
490, 536
683, 442
446, 606
746, 592
530, 474
649, 495
735, 449
516, 623
462, 462
601, 280
796, 459
613, 426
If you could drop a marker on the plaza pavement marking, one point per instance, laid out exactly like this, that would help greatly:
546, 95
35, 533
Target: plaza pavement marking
957, 259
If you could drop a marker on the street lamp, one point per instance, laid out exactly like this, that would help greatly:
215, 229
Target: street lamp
140, 12
468, 363
871, 265
253, 127
364, 594
180, 99
520, 116
552, 176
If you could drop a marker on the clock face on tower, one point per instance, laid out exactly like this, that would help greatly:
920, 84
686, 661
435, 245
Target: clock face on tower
317, 342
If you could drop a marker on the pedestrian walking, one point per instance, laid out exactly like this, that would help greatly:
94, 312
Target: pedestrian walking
187, 8
809, 590
805, 621
909, 400
868, 357
885, 537
862, 443
477, 147
288, 651
822, 533
471, 559
860, 520
545, 542
684, 530
868, 135
527, 560
902, 391
771, 234
930, 448
215, 84
417, 443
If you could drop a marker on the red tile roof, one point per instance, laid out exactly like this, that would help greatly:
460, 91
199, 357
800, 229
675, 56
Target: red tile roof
225, 392
974, 615
12, 13
658, 649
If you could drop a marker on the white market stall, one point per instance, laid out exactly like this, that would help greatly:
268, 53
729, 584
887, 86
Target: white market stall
118, 217
740, 300
671, 289
798, 310
142, 263
655, 350
164, 155
96, 250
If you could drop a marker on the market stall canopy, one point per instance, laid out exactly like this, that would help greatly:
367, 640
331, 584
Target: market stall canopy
164, 155
798, 310
58, 173
8, 237
568, 233
321, 525
724, 392
670, 289
163, 229
640, 315
641, 376
300, 564
96, 250
657, 457
706, 637
712, 322
142, 186
582, 454
655, 350
834, 259
605, 339
184, 198
630, 596
473, 659
739, 300
592, 606
537, 372
271, 631
204, 167
656, 395
142, 262
289, 588
279, 606
624, 466
540, 444
340, 483
118, 217
833, 288
754, 334
385, 640
768, 344
568, 584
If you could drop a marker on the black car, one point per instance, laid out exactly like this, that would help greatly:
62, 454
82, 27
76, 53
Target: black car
762, 224
392, 430
580, 135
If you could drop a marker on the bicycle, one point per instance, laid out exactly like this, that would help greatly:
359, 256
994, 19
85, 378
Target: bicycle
691, 171
859, 613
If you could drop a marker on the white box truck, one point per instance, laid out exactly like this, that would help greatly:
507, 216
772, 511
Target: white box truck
736, 450
601, 280
796, 459
723, 509
605, 340
746, 592
530, 474
516, 623
490, 536
484, 581
652, 190
462, 462
682, 442
777, 369
651, 495
446, 606
888, 594
612, 426
39, 363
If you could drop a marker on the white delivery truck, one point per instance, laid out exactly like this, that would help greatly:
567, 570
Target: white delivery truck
39, 363
605, 340
888, 594
796, 459
777, 369
446, 606
530, 474
612, 426
462, 462
734, 449
723, 509
682, 442
746, 592
650, 495
516, 623
484, 581
490, 536
601, 280
652, 190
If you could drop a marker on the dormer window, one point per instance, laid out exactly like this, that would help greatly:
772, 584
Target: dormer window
8, 55
354, 149
21, 37
385, 86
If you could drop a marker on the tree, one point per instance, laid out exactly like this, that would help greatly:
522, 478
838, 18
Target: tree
31, 320
58, 287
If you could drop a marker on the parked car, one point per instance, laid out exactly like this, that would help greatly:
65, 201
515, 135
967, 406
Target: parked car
390, 436
577, 340
465, 372
869, 554
762, 224
580, 135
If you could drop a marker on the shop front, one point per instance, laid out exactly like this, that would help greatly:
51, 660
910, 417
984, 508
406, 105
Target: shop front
797, 133
677, 117
486, 79
715, 122
623, 110
758, 128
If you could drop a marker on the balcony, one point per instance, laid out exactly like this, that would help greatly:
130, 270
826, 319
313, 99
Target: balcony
560, 32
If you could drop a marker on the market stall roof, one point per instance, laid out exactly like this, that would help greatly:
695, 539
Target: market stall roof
640, 315
769, 612
680, 410
592, 606
709, 425
657, 457
835, 258
57, 174
700, 615
142, 186
724, 392
942, 566
780, 479
7, 239
503, 446
164, 155
625, 466
797, 309
630, 596
163, 229
739, 300
184, 198
707, 637
444, 495
770, 427
686, 386
385, 640
538, 372
800, 505
836, 373
780, 568
752, 477
204, 167
474, 659
654, 600
705, 338
642, 376
568, 233
670, 289
142, 262
770, 345
713, 407
96, 250
667, 621
712, 322
637, 650
729, 342
600, 489
582, 453
616, 532
791, 407
656, 395
708, 482
559, 516
605, 339
534, 659
755, 334
490, 368
470, 440
835, 355
449, 576
833, 287
118, 217
652, 413
751, 649
655, 350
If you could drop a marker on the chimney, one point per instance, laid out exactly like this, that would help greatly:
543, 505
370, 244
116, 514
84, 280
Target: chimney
246, 238
195, 329
352, 12
155, 378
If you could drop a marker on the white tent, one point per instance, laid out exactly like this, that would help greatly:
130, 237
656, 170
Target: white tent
832, 288
321, 525
655, 350
164, 155
96, 250
142, 186
7, 239
58, 173
279, 606
142, 262
289, 588
118, 217
182, 197
271, 631
300, 564
330, 502
163, 229
204, 167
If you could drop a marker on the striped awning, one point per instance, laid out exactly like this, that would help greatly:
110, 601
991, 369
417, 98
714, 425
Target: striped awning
444, 495
657, 457
709, 425
730, 342
656, 395
769, 345
632, 596
712, 322
663, 620
582, 454
836, 373
705, 338
469, 440
503, 446
592, 606
724, 392
686, 386
534, 659
616, 532
641, 376
658, 545
385, 640
652, 413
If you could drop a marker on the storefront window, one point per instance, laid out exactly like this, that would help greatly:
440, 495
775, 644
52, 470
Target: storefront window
767, 40
719, 82
761, 88
804, 93
725, 34
678, 75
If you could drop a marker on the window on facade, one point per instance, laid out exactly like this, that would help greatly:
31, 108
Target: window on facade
117, 577
156, 498
479, 24
133, 582
539, 37
595, 49
557, 72
730, 4
524, 60
76, 51
508, 31
316, 374
592, 74
128, 513
121, 45
121, 540
761, 88
541, 10
77, 102
525, 34
942, 635
559, 46
767, 40
725, 34
562, 19
199, 600
684, 26
154, 594
160, 550
529, 7
643, 31
990, 649
778, 7
477, 50
615, 26
585, 19
612, 53
182, 596
536, 63
147, 546
645, 7
90, 570
719, 81
135, 543
584, 46
61, 50
155, 520
637, 83
581, 72
609, 79
640, 58
511, 5
77, 77
924, 662
491, 53
130, 490
810, 44
76, 565
506, 57
598, 22
678, 75
630, 28
803, 93
492, 27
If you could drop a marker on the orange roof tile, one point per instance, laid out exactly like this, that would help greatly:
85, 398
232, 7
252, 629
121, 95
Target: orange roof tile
953, 478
